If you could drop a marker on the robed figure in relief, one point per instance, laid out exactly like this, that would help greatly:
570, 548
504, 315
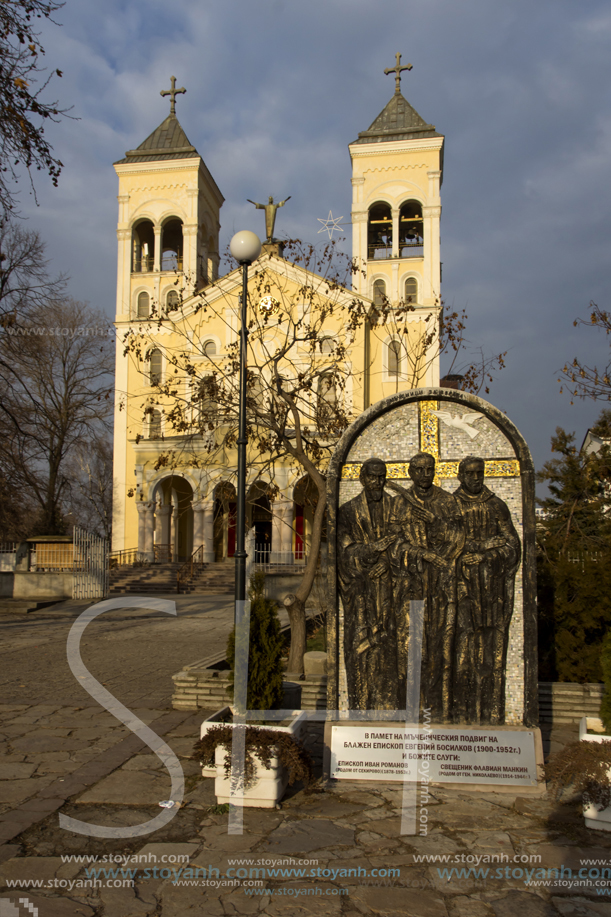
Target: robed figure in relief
429, 533
370, 636
486, 572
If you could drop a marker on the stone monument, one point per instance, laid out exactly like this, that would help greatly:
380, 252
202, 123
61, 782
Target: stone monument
431, 507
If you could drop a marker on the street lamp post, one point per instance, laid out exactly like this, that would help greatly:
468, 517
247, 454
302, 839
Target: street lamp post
245, 248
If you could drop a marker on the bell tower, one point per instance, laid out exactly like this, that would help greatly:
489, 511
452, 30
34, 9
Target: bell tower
168, 226
168, 248
397, 170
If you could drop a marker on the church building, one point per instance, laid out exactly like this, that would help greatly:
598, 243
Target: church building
168, 258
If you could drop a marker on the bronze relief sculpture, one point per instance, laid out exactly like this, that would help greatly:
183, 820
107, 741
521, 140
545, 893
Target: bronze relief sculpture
457, 552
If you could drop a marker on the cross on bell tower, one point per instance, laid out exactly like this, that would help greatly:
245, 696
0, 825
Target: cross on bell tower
397, 70
173, 92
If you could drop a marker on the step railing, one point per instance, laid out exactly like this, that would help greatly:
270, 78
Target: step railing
125, 558
191, 568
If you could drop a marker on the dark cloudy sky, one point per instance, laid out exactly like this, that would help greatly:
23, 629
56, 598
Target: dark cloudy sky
276, 91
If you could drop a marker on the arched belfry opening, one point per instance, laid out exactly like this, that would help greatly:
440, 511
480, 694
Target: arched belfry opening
171, 245
143, 247
379, 231
411, 231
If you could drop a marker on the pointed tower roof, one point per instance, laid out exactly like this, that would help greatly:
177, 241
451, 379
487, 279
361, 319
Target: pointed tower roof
398, 121
168, 141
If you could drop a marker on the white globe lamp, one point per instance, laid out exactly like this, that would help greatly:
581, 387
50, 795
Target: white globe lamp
245, 247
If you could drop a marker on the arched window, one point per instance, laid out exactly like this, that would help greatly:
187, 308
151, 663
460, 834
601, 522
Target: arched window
207, 402
155, 424
411, 231
327, 345
210, 349
411, 290
171, 245
155, 360
379, 232
143, 247
327, 398
144, 301
379, 292
172, 299
394, 358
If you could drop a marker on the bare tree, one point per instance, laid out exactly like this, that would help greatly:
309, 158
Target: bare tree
305, 378
582, 380
25, 282
55, 394
91, 479
24, 111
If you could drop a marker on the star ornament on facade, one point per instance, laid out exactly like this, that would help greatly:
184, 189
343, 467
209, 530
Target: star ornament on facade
330, 224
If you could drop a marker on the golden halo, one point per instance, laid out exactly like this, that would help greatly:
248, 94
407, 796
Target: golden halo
268, 305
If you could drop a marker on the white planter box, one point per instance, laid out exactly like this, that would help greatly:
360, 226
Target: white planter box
600, 821
270, 782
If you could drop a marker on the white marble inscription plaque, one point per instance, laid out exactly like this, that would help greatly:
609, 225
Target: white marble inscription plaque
460, 755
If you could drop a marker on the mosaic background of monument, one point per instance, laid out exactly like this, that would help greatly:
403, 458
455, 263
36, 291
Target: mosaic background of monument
406, 429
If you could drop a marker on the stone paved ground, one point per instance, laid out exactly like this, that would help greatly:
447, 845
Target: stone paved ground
61, 753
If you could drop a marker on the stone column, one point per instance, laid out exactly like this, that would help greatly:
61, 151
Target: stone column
146, 522
395, 211
141, 507
163, 514
208, 530
189, 252
198, 525
282, 532
157, 258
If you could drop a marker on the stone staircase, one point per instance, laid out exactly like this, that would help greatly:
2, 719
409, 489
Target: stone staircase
213, 579
160, 579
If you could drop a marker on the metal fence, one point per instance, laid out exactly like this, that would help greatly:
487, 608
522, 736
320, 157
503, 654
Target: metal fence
91, 565
8, 556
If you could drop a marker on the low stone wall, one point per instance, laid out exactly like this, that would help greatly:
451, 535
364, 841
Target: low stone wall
19, 585
202, 686
563, 703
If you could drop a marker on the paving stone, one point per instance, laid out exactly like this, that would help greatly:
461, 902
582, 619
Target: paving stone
296, 837
50, 907
389, 827
216, 838
164, 854
495, 840
330, 808
8, 851
178, 900
469, 907
582, 907
122, 902
29, 867
203, 796
375, 841
305, 900
362, 797
398, 902
13, 771
16, 791
128, 788
431, 844
238, 902
143, 762
36, 742
522, 904
553, 856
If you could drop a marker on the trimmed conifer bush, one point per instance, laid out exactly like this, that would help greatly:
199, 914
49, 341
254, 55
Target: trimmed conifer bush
265, 689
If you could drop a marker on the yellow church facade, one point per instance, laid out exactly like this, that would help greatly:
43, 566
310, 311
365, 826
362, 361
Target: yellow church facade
174, 311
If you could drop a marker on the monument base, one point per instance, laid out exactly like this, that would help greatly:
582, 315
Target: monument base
485, 759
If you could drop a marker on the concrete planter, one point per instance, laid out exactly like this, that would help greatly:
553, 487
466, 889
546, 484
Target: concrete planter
270, 783
599, 821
